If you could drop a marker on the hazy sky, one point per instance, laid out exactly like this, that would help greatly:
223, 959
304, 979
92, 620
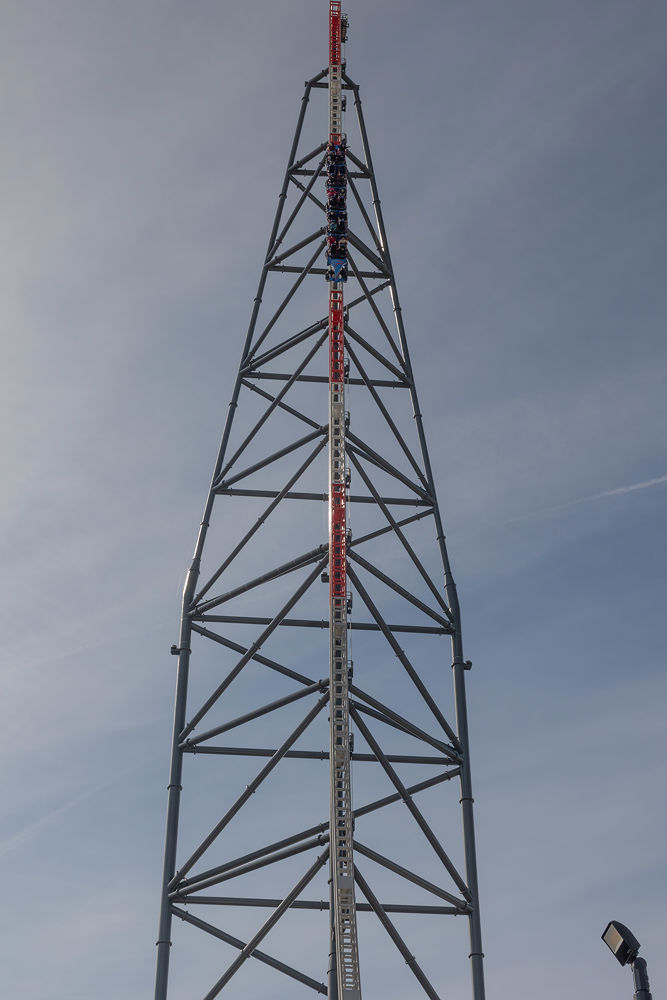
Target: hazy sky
521, 153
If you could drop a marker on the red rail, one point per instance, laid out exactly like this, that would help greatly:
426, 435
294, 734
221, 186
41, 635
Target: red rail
334, 32
337, 541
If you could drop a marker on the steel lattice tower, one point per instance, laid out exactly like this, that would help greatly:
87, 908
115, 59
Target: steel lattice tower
322, 490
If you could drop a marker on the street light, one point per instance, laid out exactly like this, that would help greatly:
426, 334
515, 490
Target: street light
625, 946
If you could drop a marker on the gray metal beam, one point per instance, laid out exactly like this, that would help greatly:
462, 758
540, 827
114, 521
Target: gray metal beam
321, 271
410, 959
368, 293
400, 535
387, 715
402, 658
350, 333
249, 948
196, 883
368, 382
261, 956
461, 905
316, 904
256, 713
295, 212
398, 589
368, 758
210, 701
321, 432
306, 623
269, 410
385, 383
320, 829
407, 799
364, 213
261, 520
354, 498
249, 790
364, 450
384, 531
299, 562
306, 241
257, 657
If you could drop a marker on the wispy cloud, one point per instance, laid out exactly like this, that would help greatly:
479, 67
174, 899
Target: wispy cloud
23, 836
617, 491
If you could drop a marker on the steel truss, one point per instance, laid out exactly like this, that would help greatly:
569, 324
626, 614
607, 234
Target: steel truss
256, 618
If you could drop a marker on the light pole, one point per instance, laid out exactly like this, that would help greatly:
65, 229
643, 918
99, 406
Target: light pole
625, 947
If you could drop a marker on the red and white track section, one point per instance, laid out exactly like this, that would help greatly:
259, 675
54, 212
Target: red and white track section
342, 866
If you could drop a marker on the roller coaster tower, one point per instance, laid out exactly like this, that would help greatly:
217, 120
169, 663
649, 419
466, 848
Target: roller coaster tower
322, 478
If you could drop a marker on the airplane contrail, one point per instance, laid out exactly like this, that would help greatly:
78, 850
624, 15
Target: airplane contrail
645, 484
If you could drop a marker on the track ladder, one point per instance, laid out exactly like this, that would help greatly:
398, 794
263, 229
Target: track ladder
344, 918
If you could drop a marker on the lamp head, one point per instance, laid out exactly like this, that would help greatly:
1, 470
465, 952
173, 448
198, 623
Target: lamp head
621, 942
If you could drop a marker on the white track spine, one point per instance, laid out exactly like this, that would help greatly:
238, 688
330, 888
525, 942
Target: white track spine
340, 821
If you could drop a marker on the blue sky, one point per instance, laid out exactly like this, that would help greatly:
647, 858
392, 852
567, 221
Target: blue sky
521, 153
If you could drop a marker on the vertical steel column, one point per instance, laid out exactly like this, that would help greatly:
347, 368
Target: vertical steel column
332, 971
344, 923
458, 663
174, 787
